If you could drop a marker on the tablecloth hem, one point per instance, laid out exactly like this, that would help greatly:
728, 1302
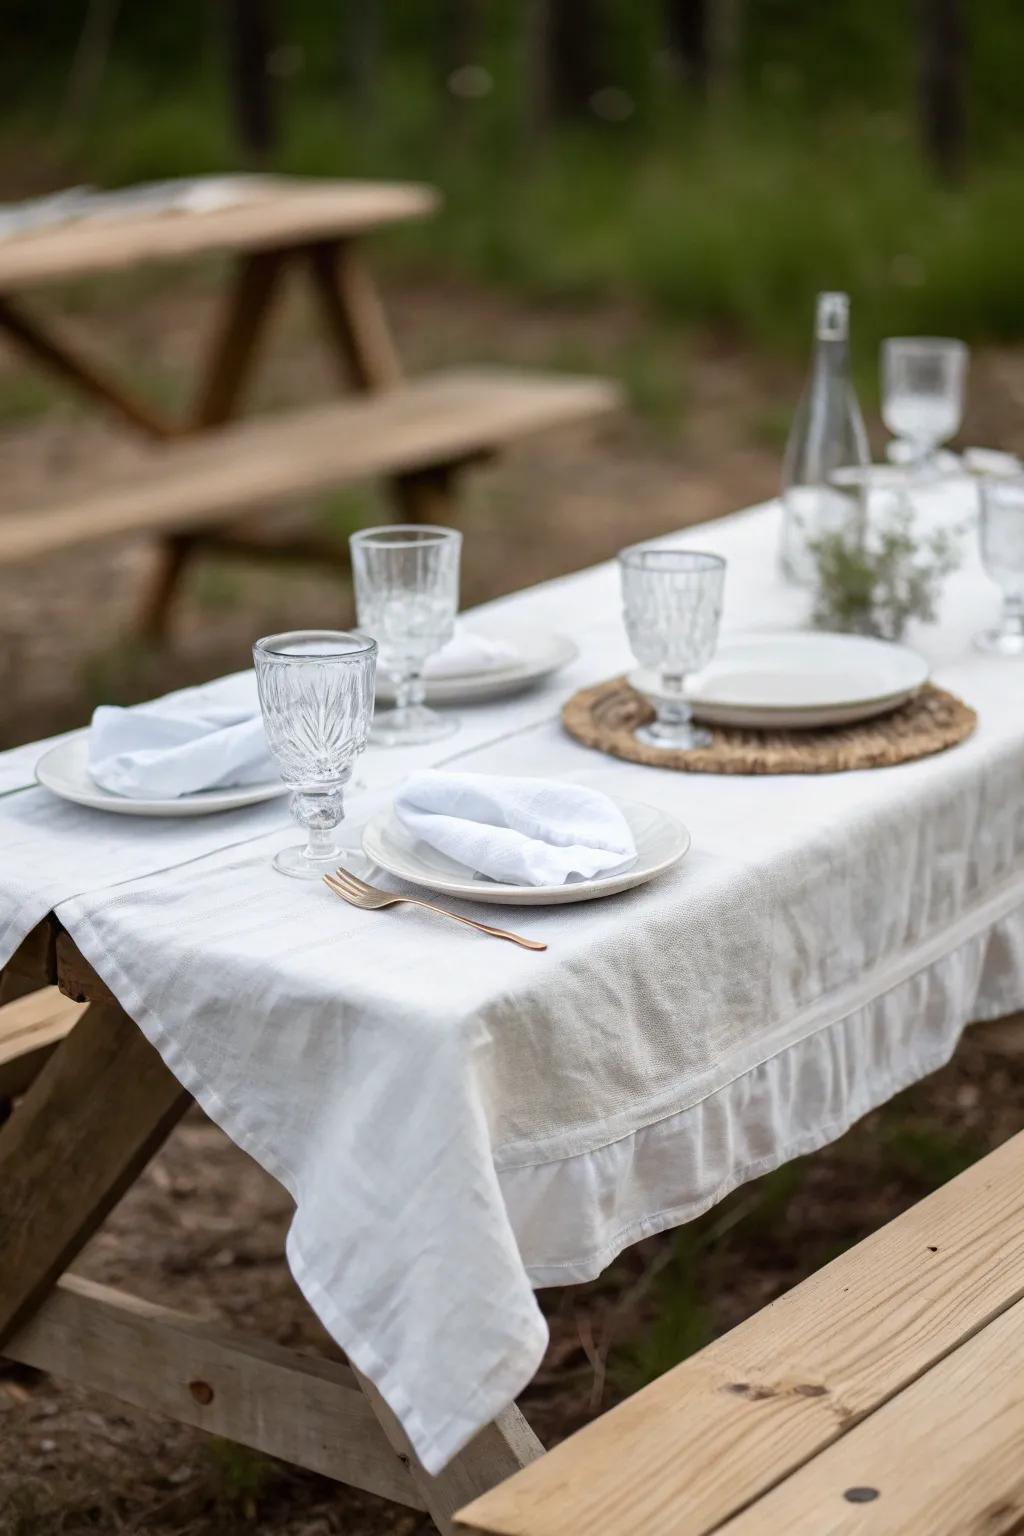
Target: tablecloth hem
435, 1448
824, 1013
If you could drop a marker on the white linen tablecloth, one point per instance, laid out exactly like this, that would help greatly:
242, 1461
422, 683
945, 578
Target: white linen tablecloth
459, 1121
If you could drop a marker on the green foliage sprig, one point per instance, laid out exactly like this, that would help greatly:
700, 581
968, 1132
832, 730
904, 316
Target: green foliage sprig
875, 584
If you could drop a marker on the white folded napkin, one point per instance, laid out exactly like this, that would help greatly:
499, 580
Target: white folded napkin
176, 747
517, 831
468, 652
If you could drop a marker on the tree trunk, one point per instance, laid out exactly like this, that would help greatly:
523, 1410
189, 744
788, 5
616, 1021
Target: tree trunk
572, 34
942, 84
686, 23
249, 40
361, 38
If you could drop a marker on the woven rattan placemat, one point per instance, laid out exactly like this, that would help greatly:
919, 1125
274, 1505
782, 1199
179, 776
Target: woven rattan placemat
604, 717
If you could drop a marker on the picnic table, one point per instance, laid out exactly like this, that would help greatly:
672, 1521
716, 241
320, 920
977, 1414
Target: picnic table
207, 471
460, 1121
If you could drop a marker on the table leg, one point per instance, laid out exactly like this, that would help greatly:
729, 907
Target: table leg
228, 368
59, 358
92, 1119
358, 328
503, 1447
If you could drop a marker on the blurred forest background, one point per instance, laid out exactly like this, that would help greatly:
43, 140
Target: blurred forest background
717, 159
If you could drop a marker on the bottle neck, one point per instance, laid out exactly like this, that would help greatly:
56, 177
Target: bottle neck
832, 357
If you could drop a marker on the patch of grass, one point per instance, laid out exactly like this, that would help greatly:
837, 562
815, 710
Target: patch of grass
218, 585
682, 1320
26, 397
121, 674
926, 1153
242, 1477
345, 511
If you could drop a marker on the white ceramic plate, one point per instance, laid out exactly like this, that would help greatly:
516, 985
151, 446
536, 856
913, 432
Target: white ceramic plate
800, 680
540, 654
661, 841
63, 770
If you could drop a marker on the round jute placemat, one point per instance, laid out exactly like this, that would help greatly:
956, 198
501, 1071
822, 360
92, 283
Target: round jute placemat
604, 717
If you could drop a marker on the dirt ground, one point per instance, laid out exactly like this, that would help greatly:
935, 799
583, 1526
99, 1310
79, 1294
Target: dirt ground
204, 1228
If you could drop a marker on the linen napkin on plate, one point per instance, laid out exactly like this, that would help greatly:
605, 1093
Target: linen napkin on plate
176, 747
468, 652
515, 830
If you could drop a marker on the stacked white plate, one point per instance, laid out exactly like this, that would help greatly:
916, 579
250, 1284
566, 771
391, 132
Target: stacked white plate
537, 656
793, 681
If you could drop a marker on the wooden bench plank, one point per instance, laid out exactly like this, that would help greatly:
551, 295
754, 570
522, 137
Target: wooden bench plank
30, 1029
441, 418
695, 1447
283, 211
306, 1411
942, 1458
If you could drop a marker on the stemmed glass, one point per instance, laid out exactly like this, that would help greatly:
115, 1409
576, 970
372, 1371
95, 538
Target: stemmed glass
316, 694
672, 604
1002, 554
407, 596
922, 396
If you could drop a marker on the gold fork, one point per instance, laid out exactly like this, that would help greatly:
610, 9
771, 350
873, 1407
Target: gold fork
372, 899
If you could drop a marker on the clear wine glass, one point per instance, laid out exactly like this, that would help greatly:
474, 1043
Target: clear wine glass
1002, 554
407, 596
672, 604
922, 396
316, 694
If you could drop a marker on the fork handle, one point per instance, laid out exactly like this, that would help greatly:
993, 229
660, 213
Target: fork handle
470, 922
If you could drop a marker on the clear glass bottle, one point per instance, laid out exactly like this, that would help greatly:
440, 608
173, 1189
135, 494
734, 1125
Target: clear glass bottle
824, 480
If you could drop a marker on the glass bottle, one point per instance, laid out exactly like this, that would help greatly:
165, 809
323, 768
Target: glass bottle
824, 480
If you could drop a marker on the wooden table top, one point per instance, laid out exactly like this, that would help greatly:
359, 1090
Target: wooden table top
279, 211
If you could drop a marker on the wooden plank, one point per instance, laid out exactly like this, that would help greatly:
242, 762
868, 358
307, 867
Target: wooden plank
503, 1447
60, 358
30, 1030
250, 297
75, 976
306, 1411
943, 1458
258, 463
35, 959
90, 1122
354, 316
695, 1447
284, 212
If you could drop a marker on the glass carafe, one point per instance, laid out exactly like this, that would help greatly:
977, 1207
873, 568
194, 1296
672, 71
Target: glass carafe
824, 478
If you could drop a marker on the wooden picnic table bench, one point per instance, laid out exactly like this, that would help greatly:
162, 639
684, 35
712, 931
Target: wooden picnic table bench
881, 1396
207, 471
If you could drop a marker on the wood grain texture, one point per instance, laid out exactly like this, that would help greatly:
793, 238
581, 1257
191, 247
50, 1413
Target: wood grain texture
285, 212
695, 1447
507, 1444
262, 462
30, 1030
94, 1116
942, 1459
307, 1411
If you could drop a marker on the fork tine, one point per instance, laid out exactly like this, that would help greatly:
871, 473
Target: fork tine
354, 880
339, 889
343, 878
